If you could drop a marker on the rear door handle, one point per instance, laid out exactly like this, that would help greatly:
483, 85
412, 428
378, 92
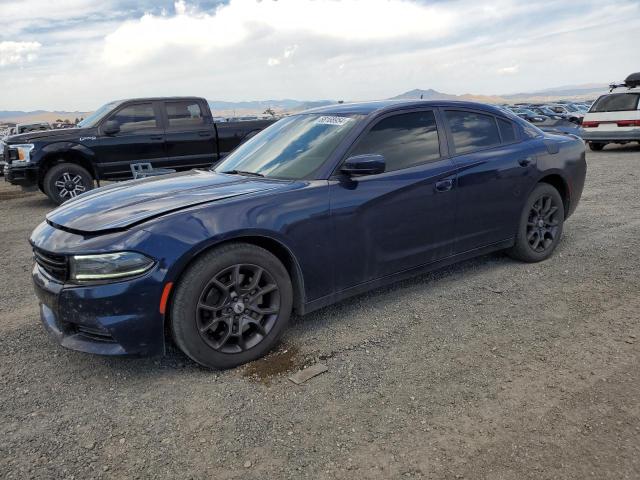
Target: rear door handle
444, 185
156, 137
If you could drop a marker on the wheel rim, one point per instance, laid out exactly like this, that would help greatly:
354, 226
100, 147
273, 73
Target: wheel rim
238, 308
543, 224
69, 185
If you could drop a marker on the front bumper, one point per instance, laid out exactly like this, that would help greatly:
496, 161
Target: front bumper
111, 319
23, 176
593, 135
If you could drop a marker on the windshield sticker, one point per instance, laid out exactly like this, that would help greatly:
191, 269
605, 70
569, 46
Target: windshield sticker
328, 120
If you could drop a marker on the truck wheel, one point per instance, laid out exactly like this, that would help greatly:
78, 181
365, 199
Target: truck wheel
540, 225
596, 147
231, 306
66, 181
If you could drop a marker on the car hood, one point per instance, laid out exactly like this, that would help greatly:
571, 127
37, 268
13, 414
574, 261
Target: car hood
49, 135
122, 205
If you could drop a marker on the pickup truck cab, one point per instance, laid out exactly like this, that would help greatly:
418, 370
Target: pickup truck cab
175, 132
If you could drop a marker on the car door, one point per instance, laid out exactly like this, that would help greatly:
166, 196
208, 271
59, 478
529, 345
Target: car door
495, 164
140, 139
399, 219
190, 136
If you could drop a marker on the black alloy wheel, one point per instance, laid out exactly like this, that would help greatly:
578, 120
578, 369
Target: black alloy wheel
543, 224
237, 308
231, 306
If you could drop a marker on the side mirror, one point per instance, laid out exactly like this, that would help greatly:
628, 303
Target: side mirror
368, 164
111, 127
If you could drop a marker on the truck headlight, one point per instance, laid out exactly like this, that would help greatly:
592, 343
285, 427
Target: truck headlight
22, 154
108, 266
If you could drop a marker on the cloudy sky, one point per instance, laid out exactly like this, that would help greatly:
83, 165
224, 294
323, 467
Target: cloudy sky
78, 54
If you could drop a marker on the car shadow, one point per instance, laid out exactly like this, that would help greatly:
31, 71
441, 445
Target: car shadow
321, 319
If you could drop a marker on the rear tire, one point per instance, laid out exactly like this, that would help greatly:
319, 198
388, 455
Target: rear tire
540, 227
231, 306
65, 181
596, 147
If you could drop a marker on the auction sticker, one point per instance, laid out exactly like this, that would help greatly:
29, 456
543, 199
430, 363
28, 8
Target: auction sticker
329, 120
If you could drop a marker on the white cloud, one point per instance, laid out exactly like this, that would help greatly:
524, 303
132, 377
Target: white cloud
12, 53
381, 20
509, 70
308, 49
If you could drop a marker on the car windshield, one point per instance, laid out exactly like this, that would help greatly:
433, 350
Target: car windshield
292, 148
616, 102
93, 119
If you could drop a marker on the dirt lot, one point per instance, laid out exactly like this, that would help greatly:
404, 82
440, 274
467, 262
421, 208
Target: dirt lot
490, 369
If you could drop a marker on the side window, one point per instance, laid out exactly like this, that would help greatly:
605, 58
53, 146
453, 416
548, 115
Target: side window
472, 131
507, 131
184, 114
136, 117
404, 140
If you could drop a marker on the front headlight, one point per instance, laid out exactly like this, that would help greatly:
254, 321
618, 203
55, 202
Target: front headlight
108, 266
22, 154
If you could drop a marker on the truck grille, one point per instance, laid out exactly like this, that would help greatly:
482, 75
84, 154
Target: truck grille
55, 265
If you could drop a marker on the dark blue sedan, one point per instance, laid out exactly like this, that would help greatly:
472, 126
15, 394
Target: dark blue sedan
320, 206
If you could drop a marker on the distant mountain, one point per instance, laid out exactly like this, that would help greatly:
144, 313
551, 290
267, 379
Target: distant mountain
224, 108
260, 106
430, 94
565, 91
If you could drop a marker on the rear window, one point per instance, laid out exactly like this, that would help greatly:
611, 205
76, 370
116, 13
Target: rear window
507, 131
616, 102
472, 131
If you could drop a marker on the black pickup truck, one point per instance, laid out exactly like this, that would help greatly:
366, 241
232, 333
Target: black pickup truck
175, 132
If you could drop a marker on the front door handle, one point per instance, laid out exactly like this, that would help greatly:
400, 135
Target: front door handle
525, 162
444, 185
204, 134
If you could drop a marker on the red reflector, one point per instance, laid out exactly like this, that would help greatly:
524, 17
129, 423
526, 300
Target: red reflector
629, 123
590, 124
165, 296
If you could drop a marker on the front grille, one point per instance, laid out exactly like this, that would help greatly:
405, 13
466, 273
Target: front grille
96, 334
55, 265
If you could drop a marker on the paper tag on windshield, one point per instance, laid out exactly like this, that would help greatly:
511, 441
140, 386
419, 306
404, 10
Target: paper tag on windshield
329, 120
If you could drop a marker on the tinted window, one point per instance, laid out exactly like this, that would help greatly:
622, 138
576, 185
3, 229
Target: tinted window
136, 117
184, 114
472, 131
507, 131
404, 140
617, 102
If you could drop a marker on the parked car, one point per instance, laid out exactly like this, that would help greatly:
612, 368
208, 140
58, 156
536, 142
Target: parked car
615, 117
547, 112
318, 207
528, 115
173, 132
571, 113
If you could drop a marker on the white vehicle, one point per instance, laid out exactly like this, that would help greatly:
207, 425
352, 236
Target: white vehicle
614, 118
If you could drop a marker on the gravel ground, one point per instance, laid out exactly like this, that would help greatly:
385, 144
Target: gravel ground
489, 369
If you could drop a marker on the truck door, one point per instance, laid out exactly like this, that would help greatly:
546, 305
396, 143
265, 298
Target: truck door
190, 135
140, 139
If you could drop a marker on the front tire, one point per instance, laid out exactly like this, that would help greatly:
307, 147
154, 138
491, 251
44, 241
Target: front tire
231, 306
65, 181
596, 147
540, 225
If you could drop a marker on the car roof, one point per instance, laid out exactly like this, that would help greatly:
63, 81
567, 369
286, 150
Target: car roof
381, 106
